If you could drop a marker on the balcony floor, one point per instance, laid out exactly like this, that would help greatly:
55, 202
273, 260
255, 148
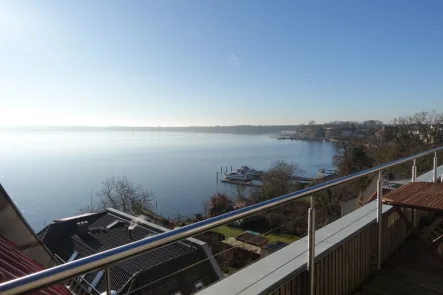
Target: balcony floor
415, 269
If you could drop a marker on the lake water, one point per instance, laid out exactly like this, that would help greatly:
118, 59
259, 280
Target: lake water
52, 174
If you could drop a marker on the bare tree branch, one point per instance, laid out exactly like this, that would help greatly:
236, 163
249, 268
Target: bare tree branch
122, 194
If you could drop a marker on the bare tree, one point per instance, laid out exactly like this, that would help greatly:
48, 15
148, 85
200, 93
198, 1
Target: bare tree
410, 135
219, 204
206, 207
122, 194
423, 129
279, 180
351, 156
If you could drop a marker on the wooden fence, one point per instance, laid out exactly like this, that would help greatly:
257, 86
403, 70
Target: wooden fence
344, 267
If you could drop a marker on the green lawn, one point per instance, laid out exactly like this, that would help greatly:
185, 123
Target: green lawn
228, 232
273, 237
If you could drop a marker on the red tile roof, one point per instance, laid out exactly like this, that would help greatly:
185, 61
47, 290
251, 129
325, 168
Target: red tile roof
15, 264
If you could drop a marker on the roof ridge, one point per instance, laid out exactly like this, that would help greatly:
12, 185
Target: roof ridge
42, 233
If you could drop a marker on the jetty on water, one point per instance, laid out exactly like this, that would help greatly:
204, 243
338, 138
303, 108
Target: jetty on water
245, 183
323, 175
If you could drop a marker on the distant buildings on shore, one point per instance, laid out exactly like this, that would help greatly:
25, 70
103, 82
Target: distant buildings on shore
370, 131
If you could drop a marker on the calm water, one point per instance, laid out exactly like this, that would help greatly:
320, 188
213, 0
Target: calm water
52, 174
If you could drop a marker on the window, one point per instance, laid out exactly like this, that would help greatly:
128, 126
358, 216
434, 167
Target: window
73, 256
199, 285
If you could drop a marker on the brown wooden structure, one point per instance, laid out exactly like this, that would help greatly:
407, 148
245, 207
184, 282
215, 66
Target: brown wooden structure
425, 196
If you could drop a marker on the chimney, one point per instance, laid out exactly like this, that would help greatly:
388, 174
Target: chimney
82, 228
131, 227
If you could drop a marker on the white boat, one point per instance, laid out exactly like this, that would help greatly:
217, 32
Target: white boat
242, 173
234, 176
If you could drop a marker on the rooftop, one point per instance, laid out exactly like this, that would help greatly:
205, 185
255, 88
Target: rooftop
253, 239
239, 244
108, 230
15, 264
98, 240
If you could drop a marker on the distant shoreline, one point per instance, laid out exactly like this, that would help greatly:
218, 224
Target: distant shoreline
238, 129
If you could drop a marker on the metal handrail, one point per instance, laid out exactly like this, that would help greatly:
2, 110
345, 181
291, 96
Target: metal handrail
81, 280
100, 260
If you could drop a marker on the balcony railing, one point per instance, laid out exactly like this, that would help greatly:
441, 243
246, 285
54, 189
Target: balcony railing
107, 258
78, 285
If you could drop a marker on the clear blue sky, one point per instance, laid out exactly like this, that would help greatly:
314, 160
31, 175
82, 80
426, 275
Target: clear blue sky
178, 63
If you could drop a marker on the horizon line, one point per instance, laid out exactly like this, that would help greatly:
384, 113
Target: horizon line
189, 126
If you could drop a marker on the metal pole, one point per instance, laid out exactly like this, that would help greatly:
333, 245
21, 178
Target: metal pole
414, 172
108, 281
414, 179
434, 178
311, 249
379, 217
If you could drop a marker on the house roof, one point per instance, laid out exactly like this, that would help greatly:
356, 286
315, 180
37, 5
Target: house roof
15, 264
253, 239
13, 226
242, 245
101, 238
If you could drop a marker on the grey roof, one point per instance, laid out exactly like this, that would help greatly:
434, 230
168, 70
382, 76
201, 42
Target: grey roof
99, 241
62, 238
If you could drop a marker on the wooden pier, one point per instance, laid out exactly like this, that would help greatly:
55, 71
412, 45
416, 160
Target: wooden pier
245, 183
328, 174
303, 179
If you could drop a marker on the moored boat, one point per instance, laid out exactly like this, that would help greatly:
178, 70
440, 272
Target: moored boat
242, 173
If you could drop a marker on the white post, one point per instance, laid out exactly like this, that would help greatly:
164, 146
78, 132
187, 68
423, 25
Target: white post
434, 178
311, 249
379, 217
414, 179
108, 281
414, 172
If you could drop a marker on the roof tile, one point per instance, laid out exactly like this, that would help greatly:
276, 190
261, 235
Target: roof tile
100, 240
15, 264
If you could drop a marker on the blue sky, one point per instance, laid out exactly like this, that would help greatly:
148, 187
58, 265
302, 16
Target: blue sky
179, 63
